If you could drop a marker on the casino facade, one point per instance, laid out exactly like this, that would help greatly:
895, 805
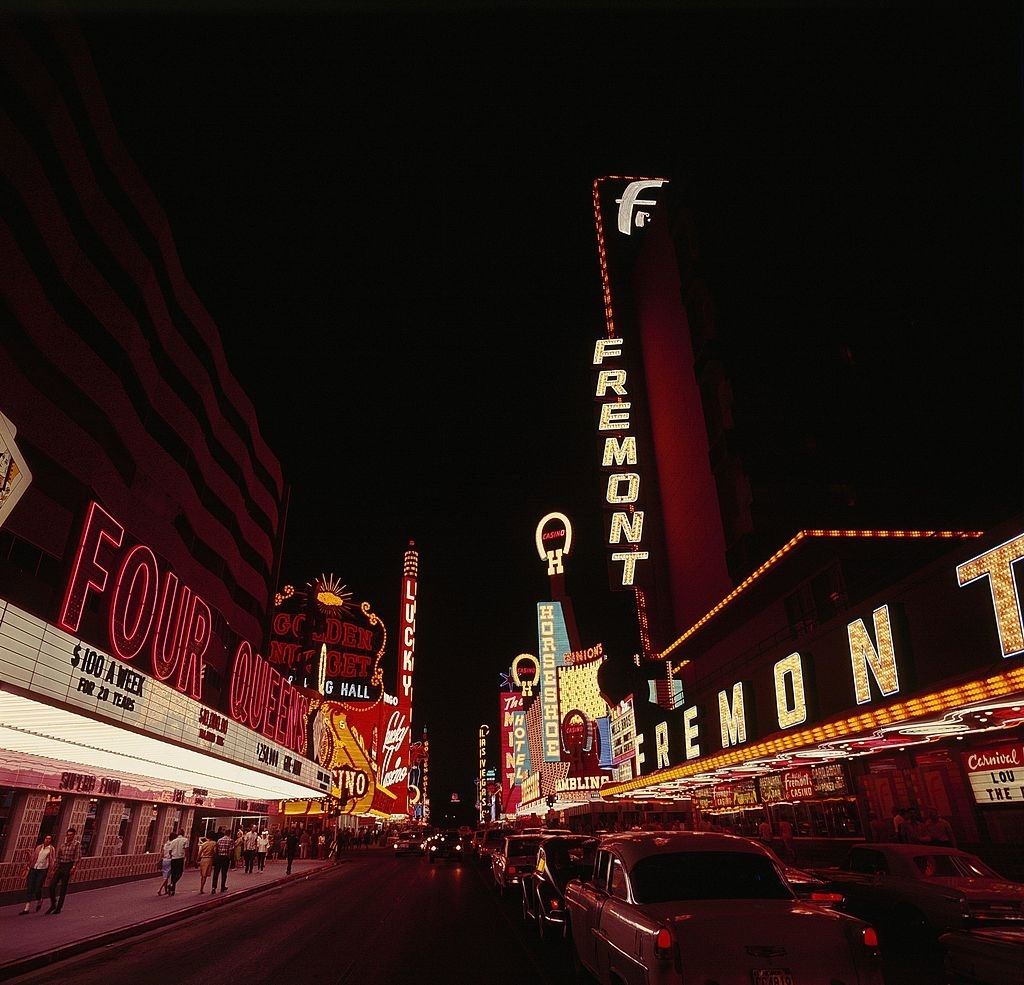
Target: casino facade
141, 512
795, 658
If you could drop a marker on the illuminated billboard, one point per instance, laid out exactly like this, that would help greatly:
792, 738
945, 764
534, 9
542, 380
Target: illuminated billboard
326, 642
514, 750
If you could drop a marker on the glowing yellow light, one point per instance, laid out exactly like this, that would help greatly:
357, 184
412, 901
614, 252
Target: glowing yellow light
997, 566
789, 545
864, 655
948, 699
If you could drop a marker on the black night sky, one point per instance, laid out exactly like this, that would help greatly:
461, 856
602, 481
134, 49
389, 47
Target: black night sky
386, 209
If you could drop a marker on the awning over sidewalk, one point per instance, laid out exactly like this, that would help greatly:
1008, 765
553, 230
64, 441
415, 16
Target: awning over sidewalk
37, 729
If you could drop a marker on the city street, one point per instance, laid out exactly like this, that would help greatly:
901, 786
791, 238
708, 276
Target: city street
373, 919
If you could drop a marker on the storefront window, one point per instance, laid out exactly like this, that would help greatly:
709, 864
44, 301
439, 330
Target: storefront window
89, 828
124, 825
6, 806
151, 832
51, 817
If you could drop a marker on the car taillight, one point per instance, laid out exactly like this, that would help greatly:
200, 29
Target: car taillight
870, 937
554, 904
826, 897
511, 870
663, 944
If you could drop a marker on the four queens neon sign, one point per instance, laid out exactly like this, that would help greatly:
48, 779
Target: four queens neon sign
155, 612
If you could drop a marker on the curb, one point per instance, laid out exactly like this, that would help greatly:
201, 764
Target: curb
32, 962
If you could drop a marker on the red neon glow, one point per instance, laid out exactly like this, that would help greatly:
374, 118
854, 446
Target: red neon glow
134, 602
170, 626
101, 536
265, 701
195, 641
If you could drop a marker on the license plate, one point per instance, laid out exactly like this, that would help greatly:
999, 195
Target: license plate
771, 976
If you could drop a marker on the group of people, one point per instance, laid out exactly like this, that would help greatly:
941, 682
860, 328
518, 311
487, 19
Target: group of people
908, 825
56, 862
216, 856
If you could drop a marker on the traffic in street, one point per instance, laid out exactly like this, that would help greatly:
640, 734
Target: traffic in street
378, 916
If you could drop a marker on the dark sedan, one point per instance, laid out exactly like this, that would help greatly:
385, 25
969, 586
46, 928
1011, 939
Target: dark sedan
559, 859
916, 892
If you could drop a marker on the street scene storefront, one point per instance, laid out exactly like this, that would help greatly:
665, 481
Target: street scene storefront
906, 699
102, 727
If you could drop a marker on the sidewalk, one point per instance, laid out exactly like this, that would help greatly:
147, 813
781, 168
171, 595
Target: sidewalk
94, 917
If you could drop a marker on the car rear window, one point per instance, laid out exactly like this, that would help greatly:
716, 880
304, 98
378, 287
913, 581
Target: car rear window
671, 876
522, 847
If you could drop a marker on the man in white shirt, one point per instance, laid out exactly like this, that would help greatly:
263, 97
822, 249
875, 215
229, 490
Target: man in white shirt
176, 847
249, 841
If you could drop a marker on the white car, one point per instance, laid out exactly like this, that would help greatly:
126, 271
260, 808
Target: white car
661, 907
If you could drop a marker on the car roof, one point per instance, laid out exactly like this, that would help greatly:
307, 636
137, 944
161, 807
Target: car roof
910, 848
635, 845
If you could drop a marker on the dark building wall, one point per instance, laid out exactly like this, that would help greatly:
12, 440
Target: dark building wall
113, 372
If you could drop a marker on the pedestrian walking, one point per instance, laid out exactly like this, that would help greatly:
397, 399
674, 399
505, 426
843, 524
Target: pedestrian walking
68, 853
42, 859
165, 869
249, 840
176, 847
207, 850
222, 859
262, 847
291, 848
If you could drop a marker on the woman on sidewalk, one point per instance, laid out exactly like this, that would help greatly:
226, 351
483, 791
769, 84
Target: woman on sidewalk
43, 859
165, 868
207, 849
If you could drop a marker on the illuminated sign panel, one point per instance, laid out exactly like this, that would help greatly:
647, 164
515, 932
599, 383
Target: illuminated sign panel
44, 662
515, 752
996, 773
620, 459
552, 641
14, 473
554, 541
829, 780
770, 789
798, 784
149, 611
857, 681
395, 757
481, 783
323, 641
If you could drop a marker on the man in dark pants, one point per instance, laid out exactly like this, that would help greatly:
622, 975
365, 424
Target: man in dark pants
68, 853
178, 846
222, 859
291, 847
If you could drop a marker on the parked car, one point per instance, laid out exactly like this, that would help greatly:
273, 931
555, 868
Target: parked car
514, 859
914, 892
809, 887
408, 843
559, 859
492, 839
446, 844
986, 957
716, 906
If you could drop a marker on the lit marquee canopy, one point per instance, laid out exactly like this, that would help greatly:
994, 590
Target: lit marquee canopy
59, 734
877, 715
